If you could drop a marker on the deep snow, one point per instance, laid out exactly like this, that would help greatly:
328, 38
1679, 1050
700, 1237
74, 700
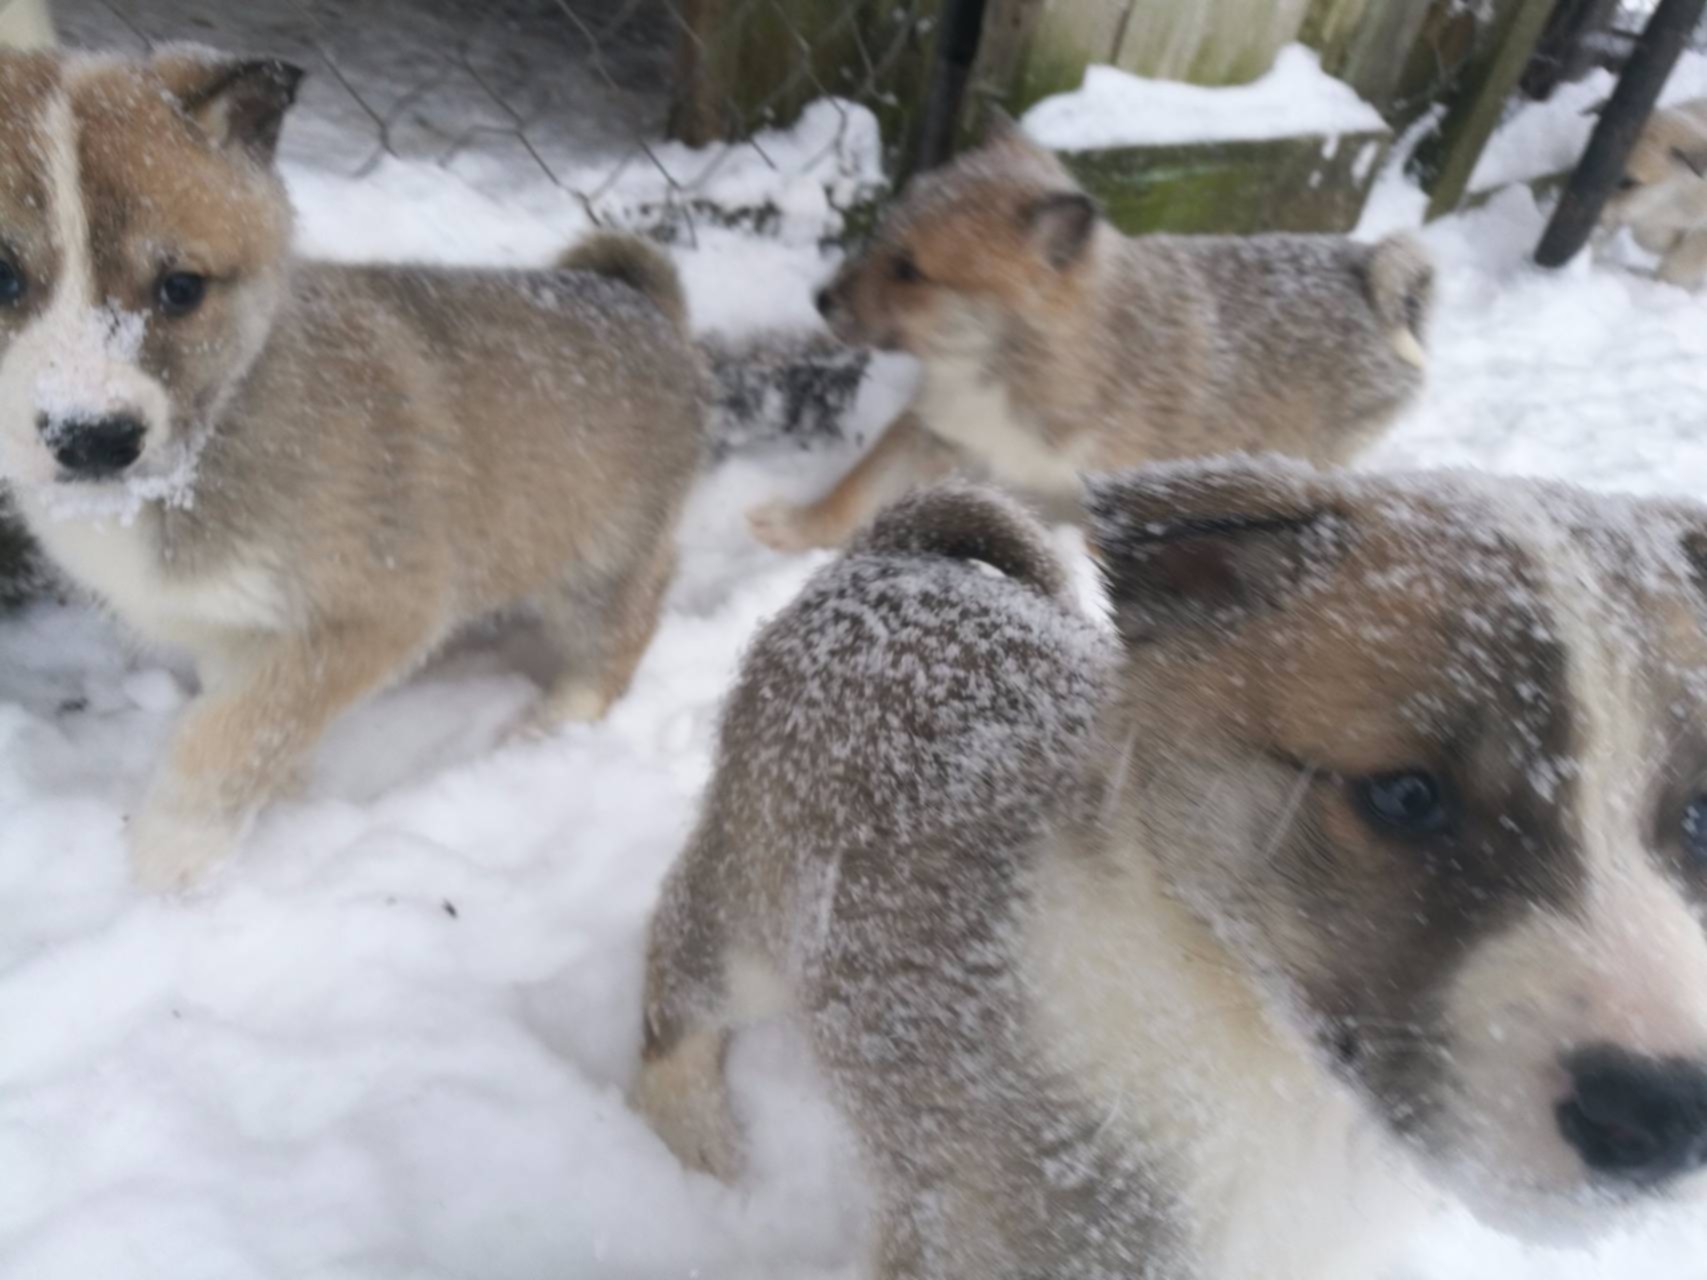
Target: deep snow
389, 1041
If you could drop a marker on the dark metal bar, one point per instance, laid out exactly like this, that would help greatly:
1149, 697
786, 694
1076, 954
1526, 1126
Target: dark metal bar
956, 50
1621, 121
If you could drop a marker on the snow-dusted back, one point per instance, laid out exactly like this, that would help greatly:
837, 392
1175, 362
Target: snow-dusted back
1114, 108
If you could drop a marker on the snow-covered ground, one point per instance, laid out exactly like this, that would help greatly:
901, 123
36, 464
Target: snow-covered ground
390, 1041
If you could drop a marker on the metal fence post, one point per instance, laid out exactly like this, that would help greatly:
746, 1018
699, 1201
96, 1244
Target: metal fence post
1621, 122
956, 51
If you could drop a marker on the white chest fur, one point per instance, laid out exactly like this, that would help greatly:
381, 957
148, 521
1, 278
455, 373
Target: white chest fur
960, 402
119, 561
1281, 1174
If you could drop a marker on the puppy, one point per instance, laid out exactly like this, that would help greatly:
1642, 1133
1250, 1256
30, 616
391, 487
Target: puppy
1053, 346
310, 475
1368, 865
1662, 197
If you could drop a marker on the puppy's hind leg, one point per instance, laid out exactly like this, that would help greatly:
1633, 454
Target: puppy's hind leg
692, 1006
600, 630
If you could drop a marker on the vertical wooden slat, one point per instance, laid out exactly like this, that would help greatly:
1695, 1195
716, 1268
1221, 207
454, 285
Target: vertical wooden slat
1446, 161
1009, 28
1368, 44
696, 105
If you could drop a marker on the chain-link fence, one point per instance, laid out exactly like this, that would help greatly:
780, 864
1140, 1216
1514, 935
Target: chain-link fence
648, 112
770, 117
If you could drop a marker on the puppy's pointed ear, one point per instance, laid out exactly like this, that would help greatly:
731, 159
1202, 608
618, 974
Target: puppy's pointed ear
1692, 158
1210, 544
239, 103
1060, 224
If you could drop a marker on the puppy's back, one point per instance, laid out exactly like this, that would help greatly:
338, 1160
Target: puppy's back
1298, 343
931, 680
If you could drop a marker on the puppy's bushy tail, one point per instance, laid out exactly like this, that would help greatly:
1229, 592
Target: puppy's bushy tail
1400, 285
968, 522
638, 263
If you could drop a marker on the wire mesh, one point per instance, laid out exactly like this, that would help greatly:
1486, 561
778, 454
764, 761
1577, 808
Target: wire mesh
640, 109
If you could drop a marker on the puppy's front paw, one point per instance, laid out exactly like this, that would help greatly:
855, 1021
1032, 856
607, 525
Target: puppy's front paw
782, 526
571, 702
172, 848
686, 1101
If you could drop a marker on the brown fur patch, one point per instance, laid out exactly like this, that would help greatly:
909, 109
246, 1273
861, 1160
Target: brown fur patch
27, 84
162, 198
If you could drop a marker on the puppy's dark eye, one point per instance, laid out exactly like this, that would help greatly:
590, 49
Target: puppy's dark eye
180, 292
11, 284
1411, 802
905, 270
1695, 831
1628, 184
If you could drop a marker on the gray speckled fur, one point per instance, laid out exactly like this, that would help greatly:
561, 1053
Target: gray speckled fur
1175, 997
899, 741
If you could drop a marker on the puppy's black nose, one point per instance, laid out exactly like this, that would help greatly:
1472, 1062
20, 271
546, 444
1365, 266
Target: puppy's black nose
825, 301
1639, 1119
94, 448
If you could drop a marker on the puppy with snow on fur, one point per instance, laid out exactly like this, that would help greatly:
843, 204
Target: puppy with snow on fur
1366, 867
1052, 346
1662, 198
309, 475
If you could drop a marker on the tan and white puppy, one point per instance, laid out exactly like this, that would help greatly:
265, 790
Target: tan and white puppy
1662, 198
1370, 865
310, 475
1052, 346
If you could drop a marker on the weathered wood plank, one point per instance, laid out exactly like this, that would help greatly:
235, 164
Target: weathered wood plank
1368, 44
1009, 27
1212, 42
1445, 161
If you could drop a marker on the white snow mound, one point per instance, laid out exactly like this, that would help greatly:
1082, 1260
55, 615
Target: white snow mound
1115, 108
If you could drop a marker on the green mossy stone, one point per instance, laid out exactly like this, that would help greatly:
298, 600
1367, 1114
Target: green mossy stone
1307, 183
